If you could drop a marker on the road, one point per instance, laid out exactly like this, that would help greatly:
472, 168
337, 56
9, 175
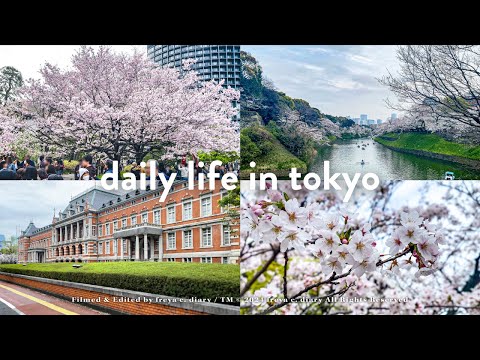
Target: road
17, 300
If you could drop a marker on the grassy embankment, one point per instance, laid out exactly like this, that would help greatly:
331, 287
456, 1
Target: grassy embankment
258, 144
430, 143
164, 278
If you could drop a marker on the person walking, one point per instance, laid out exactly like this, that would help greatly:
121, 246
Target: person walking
87, 163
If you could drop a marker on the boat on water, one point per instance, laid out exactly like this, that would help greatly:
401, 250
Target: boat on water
449, 175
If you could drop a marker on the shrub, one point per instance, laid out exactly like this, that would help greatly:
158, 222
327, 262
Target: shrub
69, 165
182, 280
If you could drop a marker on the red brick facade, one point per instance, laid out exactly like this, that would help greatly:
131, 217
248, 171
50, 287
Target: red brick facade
99, 225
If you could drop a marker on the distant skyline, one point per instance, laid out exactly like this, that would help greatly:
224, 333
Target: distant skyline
23, 201
339, 80
28, 59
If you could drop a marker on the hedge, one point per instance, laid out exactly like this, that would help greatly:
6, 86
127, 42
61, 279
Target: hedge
184, 280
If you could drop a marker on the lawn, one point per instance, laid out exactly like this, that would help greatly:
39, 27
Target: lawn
163, 278
431, 143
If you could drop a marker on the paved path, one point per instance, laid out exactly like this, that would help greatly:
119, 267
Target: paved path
17, 300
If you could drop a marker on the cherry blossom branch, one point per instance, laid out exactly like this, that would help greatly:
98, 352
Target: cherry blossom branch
248, 285
322, 298
285, 290
404, 252
452, 306
330, 280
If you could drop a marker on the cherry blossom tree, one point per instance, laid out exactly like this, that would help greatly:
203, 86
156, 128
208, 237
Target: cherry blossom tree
10, 128
443, 78
303, 252
124, 105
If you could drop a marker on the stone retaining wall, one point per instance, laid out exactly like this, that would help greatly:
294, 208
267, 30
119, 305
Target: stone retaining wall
117, 300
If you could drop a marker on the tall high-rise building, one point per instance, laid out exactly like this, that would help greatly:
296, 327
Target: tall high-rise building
363, 119
213, 62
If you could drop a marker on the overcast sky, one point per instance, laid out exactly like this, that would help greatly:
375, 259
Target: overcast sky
338, 80
29, 58
23, 201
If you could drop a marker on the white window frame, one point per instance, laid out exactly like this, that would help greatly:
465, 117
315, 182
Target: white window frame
100, 248
184, 213
187, 260
94, 230
191, 239
206, 260
144, 217
107, 247
168, 241
157, 218
85, 251
124, 223
171, 217
133, 220
107, 229
100, 230
202, 240
171, 259
225, 260
208, 211
224, 227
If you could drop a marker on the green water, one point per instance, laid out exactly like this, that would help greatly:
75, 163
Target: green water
345, 157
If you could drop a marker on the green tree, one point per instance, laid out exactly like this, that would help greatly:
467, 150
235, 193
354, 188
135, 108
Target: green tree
248, 149
10, 80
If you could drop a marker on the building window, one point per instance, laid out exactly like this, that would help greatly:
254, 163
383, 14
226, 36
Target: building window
206, 260
107, 247
171, 243
85, 247
156, 217
226, 235
94, 230
107, 229
124, 223
171, 214
187, 210
207, 237
225, 260
115, 247
133, 220
115, 225
100, 248
187, 260
187, 239
171, 260
125, 246
100, 230
206, 206
145, 218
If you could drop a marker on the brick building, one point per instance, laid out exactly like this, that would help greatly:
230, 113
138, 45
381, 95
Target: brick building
100, 225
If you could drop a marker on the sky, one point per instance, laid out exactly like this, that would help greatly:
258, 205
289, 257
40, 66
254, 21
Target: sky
24, 201
339, 80
28, 59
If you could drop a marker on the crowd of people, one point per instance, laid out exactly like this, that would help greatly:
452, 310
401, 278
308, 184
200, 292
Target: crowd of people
47, 168
181, 169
